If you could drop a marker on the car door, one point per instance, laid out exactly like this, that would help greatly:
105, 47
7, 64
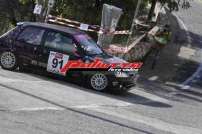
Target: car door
58, 49
28, 44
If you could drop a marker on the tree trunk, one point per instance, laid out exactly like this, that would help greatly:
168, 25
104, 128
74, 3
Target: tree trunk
97, 3
151, 10
13, 21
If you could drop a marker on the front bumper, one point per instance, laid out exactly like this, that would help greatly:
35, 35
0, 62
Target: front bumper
117, 83
123, 83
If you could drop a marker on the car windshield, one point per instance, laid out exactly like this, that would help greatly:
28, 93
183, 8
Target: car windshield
88, 44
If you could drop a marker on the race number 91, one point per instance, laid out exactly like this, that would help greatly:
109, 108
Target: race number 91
56, 62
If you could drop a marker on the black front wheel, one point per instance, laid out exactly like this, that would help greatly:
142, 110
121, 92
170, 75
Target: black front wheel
8, 60
99, 82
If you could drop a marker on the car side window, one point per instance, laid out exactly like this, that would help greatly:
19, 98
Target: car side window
31, 35
60, 42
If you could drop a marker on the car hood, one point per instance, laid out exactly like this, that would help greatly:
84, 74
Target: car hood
113, 59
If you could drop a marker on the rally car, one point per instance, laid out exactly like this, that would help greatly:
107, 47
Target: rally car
51, 48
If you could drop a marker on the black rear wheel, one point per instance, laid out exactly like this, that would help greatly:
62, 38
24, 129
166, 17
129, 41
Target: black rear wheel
8, 60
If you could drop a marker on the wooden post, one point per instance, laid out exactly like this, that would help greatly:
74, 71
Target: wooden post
133, 22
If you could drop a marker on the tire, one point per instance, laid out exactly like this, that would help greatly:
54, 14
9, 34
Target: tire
8, 60
99, 82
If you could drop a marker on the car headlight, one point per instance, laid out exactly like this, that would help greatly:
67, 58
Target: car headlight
121, 74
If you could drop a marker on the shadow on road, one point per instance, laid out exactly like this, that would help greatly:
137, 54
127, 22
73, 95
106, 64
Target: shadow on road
196, 95
78, 111
136, 99
124, 96
75, 110
170, 92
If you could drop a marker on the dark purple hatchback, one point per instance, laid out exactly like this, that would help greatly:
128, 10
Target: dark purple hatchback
48, 47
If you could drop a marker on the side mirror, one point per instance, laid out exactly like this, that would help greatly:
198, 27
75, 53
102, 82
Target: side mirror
87, 59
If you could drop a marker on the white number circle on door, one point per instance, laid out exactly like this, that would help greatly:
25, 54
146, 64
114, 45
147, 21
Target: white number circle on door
56, 62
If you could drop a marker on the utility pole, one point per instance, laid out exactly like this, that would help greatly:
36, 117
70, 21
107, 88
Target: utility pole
133, 22
152, 10
38, 10
50, 6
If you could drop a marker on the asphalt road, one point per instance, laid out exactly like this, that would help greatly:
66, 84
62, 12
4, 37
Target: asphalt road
34, 104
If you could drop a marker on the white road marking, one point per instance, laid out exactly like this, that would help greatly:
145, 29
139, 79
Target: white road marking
153, 122
38, 109
90, 106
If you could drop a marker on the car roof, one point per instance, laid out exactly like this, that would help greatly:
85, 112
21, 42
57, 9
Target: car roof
68, 30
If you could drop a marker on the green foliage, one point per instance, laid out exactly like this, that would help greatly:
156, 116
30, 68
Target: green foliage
87, 11
16, 10
90, 11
